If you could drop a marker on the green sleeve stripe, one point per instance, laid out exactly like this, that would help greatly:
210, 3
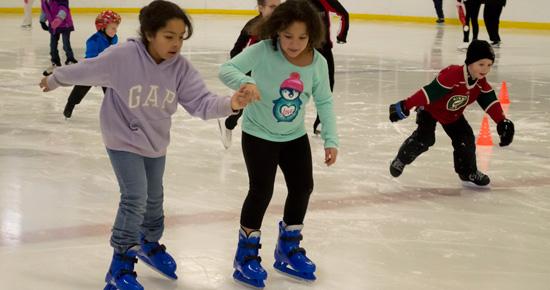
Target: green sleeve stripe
435, 90
485, 100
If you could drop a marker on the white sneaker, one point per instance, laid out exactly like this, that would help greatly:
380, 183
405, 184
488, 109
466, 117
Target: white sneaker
225, 134
463, 46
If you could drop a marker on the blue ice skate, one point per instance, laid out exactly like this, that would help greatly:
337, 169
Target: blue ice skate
248, 269
121, 275
155, 256
290, 259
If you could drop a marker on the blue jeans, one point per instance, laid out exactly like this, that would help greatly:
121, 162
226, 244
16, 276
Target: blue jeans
54, 52
140, 210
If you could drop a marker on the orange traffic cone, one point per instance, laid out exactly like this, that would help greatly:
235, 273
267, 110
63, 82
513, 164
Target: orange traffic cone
484, 138
503, 96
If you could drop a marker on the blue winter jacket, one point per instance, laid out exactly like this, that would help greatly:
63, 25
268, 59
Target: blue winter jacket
98, 42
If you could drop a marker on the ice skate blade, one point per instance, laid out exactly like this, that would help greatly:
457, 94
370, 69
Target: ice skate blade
174, 277
250, 283
302, 277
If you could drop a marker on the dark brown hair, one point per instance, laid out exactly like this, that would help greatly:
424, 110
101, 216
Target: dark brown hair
156, 15
289, 12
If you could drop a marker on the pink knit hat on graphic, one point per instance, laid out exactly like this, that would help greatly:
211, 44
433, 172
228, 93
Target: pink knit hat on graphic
293, 82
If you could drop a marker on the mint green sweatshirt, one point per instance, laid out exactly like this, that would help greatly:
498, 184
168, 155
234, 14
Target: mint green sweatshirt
285, 90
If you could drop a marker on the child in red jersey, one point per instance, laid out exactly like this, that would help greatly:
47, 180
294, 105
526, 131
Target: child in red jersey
444, 101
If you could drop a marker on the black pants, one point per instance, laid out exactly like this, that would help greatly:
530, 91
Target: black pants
472, 14
423, 138
54, 52
491, 16
326, 51
262, 158
78, 93
439, 8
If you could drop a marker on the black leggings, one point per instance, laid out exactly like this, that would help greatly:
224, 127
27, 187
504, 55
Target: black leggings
78, 93
423, 138
326, 51
472, 13
262, 158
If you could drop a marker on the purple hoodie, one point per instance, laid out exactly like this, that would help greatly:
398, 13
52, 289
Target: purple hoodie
52, 9
142, 95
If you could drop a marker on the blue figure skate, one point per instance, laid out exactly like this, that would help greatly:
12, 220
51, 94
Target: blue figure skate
248, 269
290, 259
155, 256
121, 275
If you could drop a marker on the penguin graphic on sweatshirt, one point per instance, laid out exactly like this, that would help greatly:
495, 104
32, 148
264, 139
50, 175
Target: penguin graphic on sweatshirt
287, 107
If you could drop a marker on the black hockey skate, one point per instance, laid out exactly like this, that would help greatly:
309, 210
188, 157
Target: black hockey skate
476, 178
396, 167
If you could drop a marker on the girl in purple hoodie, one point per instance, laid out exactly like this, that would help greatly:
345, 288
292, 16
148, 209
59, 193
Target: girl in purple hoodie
59, 23
146, 79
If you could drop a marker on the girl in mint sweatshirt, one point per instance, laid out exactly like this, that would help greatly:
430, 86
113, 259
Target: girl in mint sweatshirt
286, 71
146, 79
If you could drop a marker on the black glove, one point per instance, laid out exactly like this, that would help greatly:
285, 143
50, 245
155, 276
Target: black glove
505, 129
44, 26
340, 40
398, 111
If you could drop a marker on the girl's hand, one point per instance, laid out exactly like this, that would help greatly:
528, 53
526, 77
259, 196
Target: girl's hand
44, 84
247, 94
330, 156
251, 92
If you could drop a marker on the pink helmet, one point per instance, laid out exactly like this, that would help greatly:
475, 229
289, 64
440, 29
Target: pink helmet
106, 17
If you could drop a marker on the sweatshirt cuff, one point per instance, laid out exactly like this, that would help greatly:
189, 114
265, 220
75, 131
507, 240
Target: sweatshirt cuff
53, 83
331, 144
247, 80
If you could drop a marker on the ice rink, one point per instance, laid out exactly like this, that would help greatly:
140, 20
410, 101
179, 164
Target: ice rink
364, 229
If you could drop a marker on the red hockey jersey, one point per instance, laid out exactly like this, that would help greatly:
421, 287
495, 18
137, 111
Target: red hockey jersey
446, 97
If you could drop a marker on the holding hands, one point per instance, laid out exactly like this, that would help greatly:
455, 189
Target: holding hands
247, 94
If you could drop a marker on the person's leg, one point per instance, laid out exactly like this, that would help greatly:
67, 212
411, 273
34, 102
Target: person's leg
419, 142
438, 4
463, 141
231, 121
54, 52
27, 18
464, 153
475, 6
153, 221
77, 94
261, 158
296, 165
130, 171
497, 10
67, 47
151, 252
488, 19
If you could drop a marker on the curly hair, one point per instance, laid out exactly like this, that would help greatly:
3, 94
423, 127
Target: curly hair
289, 12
